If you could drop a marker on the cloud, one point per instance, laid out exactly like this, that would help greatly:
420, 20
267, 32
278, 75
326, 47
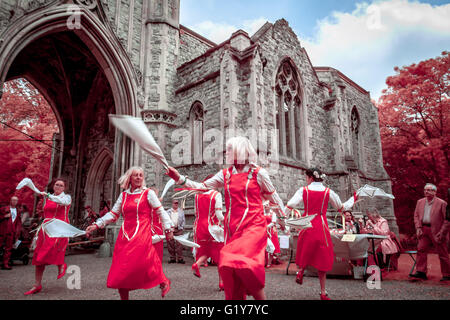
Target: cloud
219, 32
369, 42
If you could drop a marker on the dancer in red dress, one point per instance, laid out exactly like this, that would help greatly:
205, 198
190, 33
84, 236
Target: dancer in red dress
51, 250
157, 229
272, 233
241, 263
314, 246
208, 212
135, 263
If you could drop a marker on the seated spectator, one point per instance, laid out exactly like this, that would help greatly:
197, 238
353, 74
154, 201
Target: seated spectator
392, 260
351, 226
379, 226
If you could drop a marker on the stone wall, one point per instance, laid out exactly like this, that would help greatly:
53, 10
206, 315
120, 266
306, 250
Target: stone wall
235, 82
277, 43
125, 17
191, 46
100, 135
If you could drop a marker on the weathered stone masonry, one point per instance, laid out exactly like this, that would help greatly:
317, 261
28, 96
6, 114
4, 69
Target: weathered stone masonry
141, 61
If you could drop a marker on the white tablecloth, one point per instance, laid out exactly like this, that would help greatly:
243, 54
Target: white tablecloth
353, 250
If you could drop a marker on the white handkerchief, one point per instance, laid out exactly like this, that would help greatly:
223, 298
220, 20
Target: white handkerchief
169, 184
216, 232
136, 129
370, 191
56, 228
184, 241
26, 182
302, 222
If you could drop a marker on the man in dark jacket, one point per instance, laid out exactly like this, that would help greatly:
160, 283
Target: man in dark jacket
10, 229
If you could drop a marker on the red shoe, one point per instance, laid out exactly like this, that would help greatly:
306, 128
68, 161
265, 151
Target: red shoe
165, 290
221, 286
62, 272
33, 290
299, 278
324, 297
196, 270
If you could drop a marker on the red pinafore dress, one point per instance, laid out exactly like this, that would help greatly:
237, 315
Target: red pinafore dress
314, 246
135, 262
242, 257
205, 206
51, 250
273, 235
157, 229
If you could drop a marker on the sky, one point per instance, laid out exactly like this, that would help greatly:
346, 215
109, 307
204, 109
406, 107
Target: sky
365, 40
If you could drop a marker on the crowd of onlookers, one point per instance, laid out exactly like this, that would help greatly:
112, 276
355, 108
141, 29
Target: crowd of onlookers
431, 220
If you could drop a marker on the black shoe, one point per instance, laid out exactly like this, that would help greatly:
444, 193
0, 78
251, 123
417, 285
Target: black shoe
181, 261
172, 260
445, 278
6, 267
419, 275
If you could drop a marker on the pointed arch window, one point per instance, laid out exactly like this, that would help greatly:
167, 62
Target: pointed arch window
288, 111
356, 141
196, 119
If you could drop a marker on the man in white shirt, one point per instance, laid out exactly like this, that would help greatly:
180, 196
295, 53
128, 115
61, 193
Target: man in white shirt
10, 228
175, 248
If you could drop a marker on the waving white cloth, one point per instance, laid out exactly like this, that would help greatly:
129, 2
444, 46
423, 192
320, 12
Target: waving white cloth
302, 222
270, 247
181, 239
169, 184
216, 232
56, 228
184, 241
370, 191
136, 129
26, 182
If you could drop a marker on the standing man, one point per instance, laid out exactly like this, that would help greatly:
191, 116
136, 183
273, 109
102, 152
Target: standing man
431, 227
10, 229
175, 248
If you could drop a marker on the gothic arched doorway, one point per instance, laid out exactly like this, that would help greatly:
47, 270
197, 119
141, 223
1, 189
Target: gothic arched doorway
85, 74
99, 181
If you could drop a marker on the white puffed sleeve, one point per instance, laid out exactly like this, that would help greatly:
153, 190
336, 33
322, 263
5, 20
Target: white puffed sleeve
157, 206
295, 201
269, 192
218, 207
215, 182
338, 205
62, 199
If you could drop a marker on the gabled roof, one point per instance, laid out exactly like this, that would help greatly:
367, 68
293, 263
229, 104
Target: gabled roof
198, 36
343, 77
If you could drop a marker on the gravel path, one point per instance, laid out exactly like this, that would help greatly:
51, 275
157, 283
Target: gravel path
185, 286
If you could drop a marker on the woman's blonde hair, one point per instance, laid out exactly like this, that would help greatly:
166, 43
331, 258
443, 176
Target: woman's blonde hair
374, 212
240, 149
125, 180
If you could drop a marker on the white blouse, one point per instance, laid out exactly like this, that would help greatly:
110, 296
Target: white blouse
263, 180
62, 199
116, 210
335, 201
218, 206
